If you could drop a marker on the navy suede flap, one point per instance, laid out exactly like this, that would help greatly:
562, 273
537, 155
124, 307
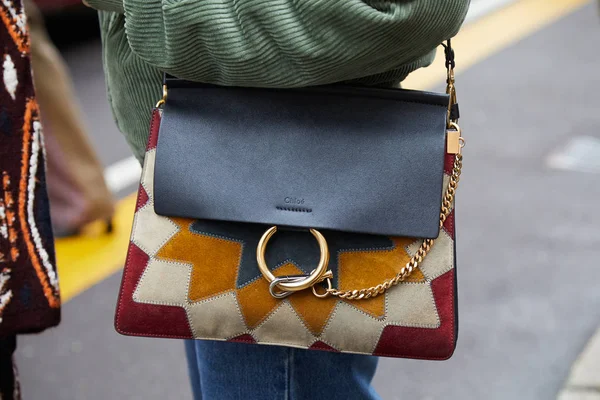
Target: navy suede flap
340, 158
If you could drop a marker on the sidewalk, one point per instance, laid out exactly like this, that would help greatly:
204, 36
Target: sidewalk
584, 380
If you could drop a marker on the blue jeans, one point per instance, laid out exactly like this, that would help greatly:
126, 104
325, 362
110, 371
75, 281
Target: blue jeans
231, 371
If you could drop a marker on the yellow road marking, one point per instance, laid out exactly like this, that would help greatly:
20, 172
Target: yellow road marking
490, 34
85, 261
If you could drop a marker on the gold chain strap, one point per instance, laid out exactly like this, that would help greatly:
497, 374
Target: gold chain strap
366, 293
417, 259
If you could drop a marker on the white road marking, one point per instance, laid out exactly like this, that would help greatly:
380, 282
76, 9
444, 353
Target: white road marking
581, 154
123, 174
126, 173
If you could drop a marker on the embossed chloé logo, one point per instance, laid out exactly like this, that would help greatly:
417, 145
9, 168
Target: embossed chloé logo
293, 200
294, 204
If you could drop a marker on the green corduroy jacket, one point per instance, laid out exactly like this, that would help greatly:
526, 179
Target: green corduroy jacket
265, 43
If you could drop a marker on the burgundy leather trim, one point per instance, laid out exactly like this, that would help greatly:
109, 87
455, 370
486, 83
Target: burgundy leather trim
423, 343
318, 345
154, 128
139, 319
449, 225
245, 338
449, 163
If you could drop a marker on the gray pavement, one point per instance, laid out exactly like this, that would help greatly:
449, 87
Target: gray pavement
528, 244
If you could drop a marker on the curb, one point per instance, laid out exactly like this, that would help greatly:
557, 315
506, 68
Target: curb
584, 379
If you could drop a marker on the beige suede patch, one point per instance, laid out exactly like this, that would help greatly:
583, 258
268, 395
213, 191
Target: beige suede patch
352, 330
148, 173
163, 282
412, 304
440, 258
284, 326
217, 318
151, 231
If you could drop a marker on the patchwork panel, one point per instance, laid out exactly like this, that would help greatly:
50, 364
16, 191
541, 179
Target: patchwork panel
318, 345
214, 260
205, 272
147, 179
356, 270
217, 318
440, 258
284, 326
315, 312
254, 304
412, 305
352, 330
140, 319
163, 282
429, 344
153, 232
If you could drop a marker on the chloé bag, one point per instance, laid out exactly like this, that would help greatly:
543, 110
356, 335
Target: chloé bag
318, 218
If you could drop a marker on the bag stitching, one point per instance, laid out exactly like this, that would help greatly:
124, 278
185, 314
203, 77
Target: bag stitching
329, 316
127, 264
281, 264
432, 276
277, 309
144, 274
224, 238
335, 313
150, 204
452, 335
390, 322
188, 305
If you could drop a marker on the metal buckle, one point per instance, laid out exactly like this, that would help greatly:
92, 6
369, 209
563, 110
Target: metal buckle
283, 286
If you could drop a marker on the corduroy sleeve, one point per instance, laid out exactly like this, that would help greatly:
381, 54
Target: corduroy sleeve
106, 5
285, 43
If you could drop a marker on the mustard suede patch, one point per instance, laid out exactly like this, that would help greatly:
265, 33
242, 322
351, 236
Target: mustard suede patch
374, 306
255, 300
416, 276
362, 269
315, 312
214, 261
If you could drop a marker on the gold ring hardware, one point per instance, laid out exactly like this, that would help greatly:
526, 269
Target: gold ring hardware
281, 287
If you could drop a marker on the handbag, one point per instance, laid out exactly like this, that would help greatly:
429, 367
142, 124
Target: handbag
318, 218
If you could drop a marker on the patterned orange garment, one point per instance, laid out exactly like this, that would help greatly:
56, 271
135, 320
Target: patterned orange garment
29, 293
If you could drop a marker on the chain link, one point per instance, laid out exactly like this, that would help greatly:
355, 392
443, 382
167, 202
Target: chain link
373, 291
